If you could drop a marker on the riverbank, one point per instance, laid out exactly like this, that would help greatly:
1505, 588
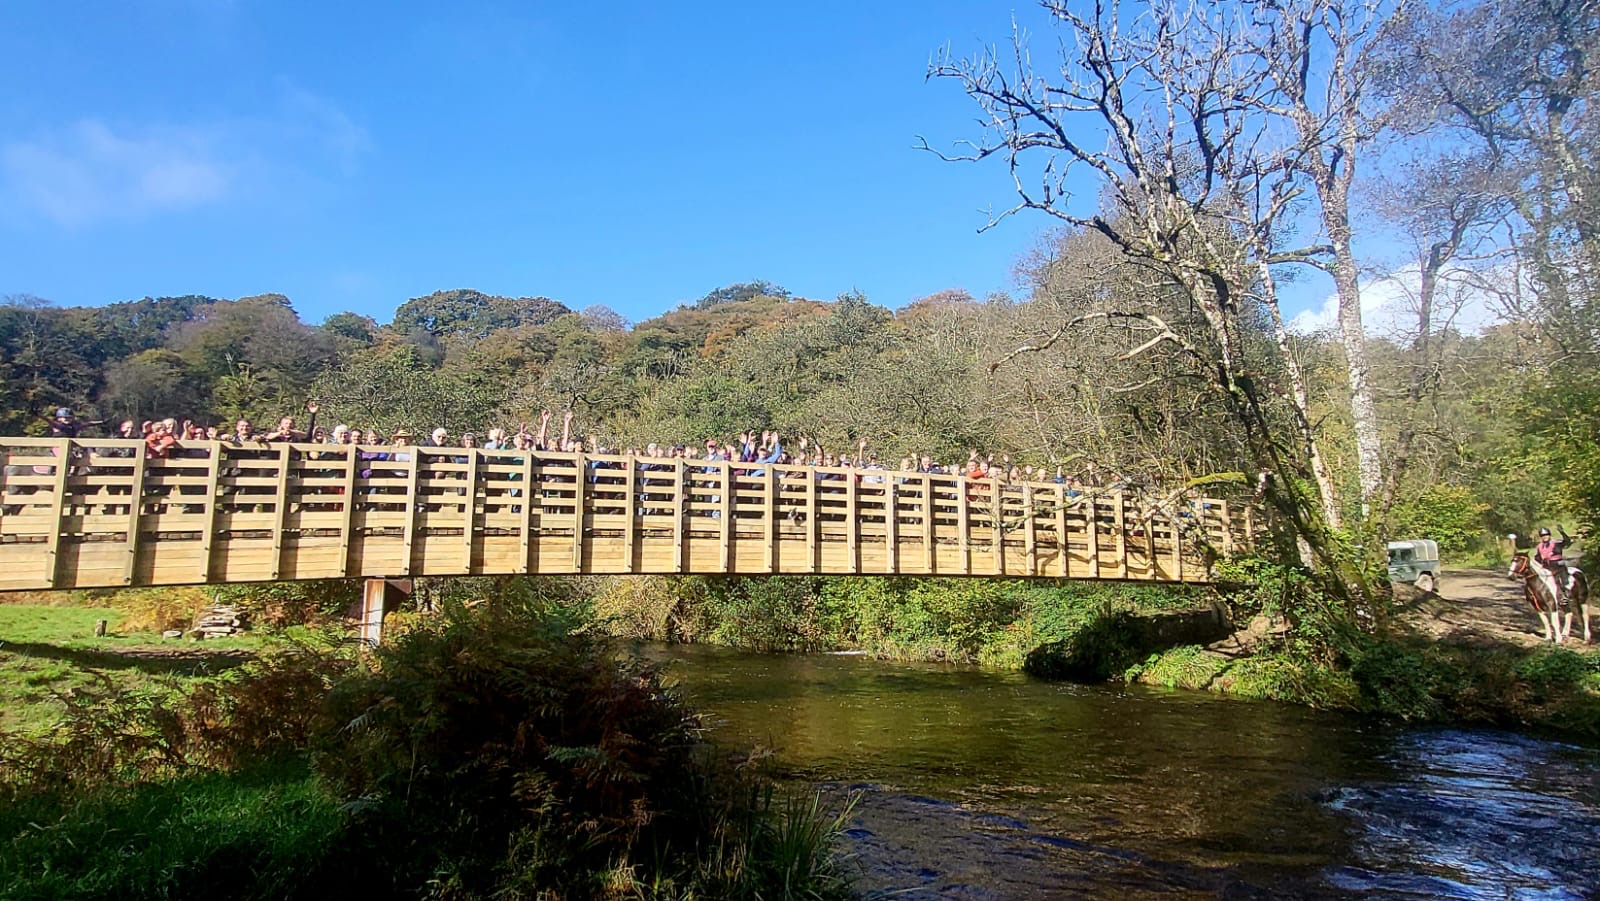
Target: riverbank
502, 751
1459, 658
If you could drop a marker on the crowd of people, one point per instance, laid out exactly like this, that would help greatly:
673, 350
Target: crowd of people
166, 437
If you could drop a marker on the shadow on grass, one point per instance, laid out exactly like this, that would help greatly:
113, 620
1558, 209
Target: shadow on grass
155, 661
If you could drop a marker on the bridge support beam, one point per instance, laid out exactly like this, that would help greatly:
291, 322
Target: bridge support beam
378, 597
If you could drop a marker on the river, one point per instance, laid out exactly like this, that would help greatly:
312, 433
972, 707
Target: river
978, 784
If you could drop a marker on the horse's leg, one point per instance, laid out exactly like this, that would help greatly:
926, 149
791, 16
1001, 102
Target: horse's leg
1566, 626
1544, 620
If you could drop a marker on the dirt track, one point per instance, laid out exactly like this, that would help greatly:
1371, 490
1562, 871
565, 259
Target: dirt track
1477, 606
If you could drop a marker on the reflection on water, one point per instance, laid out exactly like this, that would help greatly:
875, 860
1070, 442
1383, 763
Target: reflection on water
980, 784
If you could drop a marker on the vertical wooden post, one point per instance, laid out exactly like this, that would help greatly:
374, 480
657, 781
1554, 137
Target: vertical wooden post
812, 564
1227, 529
1122, 535
280, 509
347, 525
580, 497
1249, 527
413, 506
998, 499
58, 500
928, 545
209, 531
1177, 547
852, 515
373, 594
1030, 537
679, 500
525, 524
135, 508
769, 514
1093, 518
469, 510
964, 523
891, 523
1063, 558
630, 506
725, 513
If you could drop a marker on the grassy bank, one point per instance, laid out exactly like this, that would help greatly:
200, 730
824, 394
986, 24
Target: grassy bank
49, 652
504, 751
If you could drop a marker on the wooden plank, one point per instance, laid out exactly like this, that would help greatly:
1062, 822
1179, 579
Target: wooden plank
769, 516
1030, 537
997, 498
525, 524
927, 524
208, 532
891, 524
725, 513
469, 512
63, 458
812, 563
964, 523
1063, 559
679, 496
1122, 535
852, 520
1094, 534
630, 505
280, 508
409, 535
580, 499
1227, 530
347, 519
135, 508
1177, 548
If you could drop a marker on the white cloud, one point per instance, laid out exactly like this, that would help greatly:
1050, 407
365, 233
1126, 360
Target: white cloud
94, 171
88, 172
1389, 305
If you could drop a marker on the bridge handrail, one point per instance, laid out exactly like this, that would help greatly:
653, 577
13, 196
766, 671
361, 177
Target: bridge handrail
215, 500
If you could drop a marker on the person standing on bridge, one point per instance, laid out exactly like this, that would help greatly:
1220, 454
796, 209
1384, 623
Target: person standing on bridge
65, 425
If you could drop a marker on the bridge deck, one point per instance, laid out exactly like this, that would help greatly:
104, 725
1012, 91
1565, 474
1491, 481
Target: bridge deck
92, 513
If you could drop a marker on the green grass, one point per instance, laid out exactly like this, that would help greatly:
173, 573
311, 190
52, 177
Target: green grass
46, 651
246, 835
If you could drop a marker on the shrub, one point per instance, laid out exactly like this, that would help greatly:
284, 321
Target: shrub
1189, 666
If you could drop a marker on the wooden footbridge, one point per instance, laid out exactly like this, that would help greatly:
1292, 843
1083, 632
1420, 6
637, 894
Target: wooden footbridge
88, 513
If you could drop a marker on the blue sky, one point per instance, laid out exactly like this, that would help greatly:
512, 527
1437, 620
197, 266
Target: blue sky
635, 155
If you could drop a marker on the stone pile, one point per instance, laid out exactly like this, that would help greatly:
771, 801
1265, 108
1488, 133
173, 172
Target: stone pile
218, 621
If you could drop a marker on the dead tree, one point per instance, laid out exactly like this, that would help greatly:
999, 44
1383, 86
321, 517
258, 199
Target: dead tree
1195, 188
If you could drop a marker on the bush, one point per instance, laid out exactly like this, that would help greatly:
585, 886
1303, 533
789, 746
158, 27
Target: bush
1189, 666
495, 751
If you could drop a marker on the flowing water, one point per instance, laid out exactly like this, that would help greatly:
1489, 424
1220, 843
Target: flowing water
977, 784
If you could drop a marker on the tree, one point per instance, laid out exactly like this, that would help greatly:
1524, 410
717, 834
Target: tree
152, 384
742, 292
1314, 54
1157, 108
1515, 79
465, 313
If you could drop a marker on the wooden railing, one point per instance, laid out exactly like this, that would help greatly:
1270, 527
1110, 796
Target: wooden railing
87, 513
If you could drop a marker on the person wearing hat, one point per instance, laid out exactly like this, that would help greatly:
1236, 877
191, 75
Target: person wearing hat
1548, 554
65, 425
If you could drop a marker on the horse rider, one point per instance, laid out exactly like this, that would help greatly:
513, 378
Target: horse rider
1548, 555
